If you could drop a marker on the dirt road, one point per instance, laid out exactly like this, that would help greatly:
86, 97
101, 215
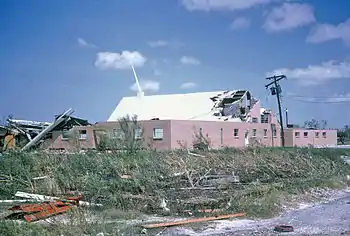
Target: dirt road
332, 218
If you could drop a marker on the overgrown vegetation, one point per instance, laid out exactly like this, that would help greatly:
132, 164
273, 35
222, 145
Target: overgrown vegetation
344, 135
139, 180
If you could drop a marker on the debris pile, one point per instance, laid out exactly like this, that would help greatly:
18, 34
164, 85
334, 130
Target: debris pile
45, 206
34, 212
26, 134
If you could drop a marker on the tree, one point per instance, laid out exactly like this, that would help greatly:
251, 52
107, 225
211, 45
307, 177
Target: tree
343, 134
128, 136
315, 124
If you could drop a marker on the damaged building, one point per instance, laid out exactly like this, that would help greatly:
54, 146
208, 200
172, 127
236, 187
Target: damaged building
173, 121
225, 118
25, 134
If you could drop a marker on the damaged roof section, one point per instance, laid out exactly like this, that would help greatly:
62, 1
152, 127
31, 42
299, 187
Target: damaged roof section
69, 122
233, 104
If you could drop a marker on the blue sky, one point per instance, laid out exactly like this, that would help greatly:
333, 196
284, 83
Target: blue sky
59, 54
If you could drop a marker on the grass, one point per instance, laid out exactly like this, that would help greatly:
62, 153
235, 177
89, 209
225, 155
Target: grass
269, 177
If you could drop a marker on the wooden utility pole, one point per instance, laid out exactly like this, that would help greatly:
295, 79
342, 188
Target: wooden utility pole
276, 90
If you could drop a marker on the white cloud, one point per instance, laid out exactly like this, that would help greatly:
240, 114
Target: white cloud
147, 86
240, 23
84, 43
187, 60
157, 72
158, 43
123, 60
165, 43
188, 85
316, 74
327, 32
289, 16
221, 5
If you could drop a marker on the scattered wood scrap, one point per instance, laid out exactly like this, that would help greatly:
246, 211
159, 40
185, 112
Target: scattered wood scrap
40, 197
45, 207
34, 212
189, 221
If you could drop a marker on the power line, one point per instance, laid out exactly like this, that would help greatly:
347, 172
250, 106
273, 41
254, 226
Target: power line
326, 100
302, 96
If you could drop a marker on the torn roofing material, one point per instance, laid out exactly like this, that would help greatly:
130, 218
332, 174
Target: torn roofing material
70, 122
205, 106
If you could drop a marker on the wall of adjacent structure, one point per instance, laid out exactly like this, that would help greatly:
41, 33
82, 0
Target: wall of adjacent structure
59, 143
311, 139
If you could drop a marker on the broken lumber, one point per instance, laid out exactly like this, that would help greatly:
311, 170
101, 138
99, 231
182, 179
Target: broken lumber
17, 201
189, 221
40, 197
40, 211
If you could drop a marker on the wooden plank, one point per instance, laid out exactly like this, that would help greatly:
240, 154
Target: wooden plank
40, 197
189, 221
16, 201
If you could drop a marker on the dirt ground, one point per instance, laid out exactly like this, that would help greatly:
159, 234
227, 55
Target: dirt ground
328, 218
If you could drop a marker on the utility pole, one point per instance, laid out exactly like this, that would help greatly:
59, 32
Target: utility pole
276, 90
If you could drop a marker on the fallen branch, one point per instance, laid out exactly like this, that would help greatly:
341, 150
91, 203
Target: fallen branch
204, 176
194, 154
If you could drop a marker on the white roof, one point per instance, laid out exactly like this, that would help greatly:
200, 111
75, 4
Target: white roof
190, 106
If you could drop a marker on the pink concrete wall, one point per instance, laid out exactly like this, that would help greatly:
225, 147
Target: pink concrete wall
147, 127
311, 139
255, 111
288, 137
183, 132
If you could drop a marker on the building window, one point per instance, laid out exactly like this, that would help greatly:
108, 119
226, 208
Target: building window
138, 133
255, 120
317, 134
305, 134
117, 133
235, 132
254, 133
324, 134
222, 136
83, 134
158, 133
265, 133
297, 134
65, 134
274, 130
264, 118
